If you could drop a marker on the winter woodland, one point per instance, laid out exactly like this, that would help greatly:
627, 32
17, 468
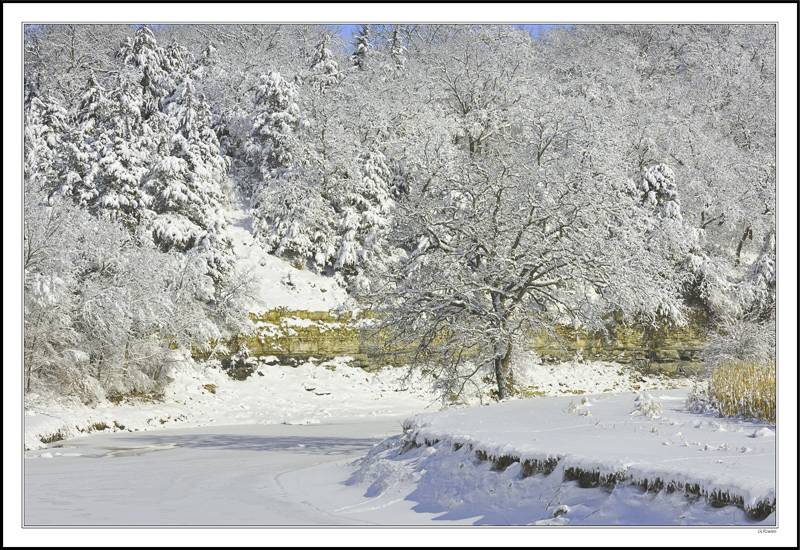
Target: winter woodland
466, 184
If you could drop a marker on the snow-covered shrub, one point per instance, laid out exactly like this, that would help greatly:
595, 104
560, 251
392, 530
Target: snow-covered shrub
741, 340
646, 405
101, 309
242, 356
657, 188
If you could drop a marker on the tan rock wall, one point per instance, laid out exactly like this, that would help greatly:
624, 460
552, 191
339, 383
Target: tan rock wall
300, 335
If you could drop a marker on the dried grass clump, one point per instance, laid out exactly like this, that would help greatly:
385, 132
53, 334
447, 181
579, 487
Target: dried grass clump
745, 389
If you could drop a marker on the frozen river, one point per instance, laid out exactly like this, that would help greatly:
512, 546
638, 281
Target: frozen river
211, 476
220, 475
297, 476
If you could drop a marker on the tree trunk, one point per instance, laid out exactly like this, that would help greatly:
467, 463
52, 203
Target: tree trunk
748, 233
29, 365
503, 374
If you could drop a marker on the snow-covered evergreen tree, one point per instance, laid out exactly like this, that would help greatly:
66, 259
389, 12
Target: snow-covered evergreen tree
363, 211
363, 53
77, 167
398, 50
92, 110
178, 61
274, 145
658, 189
85, 144
144, 53
188, 181
289, 216
125, 159
324, 70
295, 222
45, 127
207, 64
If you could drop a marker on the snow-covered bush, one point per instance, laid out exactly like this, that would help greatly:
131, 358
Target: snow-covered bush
741, 340
242, 357
101, 308
657, 188
646, 405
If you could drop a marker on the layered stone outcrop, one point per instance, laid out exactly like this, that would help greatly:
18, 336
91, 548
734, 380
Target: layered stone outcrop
295, 336
662, 350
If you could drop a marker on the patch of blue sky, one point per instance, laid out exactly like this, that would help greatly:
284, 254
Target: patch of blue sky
347, 31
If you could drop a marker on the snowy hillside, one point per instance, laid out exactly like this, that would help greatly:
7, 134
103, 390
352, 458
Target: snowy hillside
279, 284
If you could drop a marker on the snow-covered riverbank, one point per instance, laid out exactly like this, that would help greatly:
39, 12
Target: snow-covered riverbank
494, 463
200, 395
312, 474
292, 447
610, 432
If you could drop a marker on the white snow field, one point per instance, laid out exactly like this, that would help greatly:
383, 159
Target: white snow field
569, 445
320, 445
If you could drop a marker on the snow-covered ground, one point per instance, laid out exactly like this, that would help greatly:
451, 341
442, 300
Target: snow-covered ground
279, 284
320, 445
307, 394
333, 414
608, 435
201, 396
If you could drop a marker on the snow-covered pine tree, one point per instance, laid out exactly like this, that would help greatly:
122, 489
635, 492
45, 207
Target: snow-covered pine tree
658, 189
324, 70
363, 212
144, 53
274, 146
178, 61
125, 160
92, 110
209, 57
667, 238
84, 145
188, 183
295, 222
363, 53
290, 216
207, 70
77, 167
398, 50
45, 127
209, 74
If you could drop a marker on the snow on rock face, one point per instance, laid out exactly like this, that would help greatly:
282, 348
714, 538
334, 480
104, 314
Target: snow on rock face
279, 284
